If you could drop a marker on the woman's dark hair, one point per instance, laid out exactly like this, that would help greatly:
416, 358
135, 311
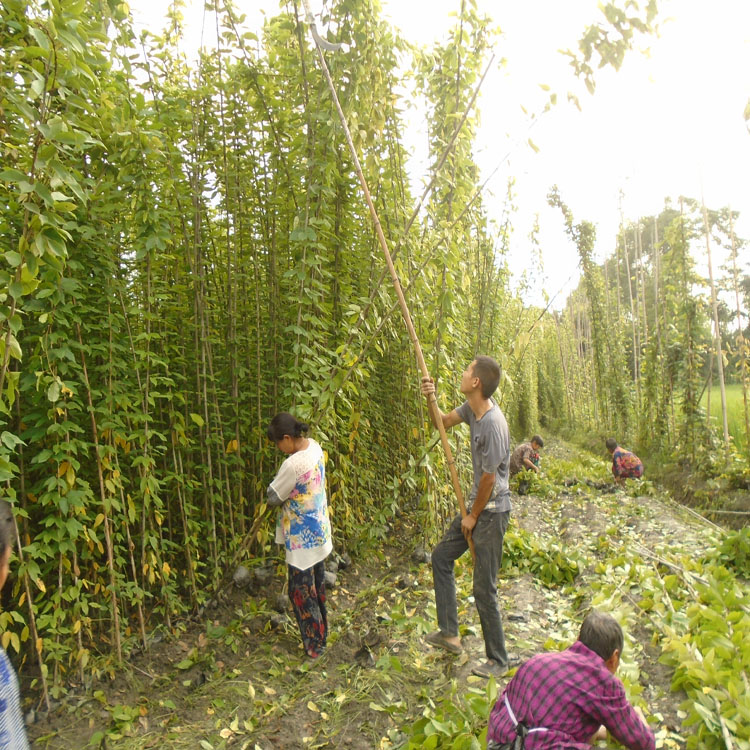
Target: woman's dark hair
285, 424
602, 634
7, 527
611, 444
538, 440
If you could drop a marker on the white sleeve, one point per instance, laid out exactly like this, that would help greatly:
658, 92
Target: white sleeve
283, 484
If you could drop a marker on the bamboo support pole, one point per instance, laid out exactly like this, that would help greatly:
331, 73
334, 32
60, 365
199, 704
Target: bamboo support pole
717, 332
741, 342
432, 399
105, 505
37, 643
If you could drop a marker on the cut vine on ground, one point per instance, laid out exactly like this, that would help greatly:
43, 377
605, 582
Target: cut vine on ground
231, 679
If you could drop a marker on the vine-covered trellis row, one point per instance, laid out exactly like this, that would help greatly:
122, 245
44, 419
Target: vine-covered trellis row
636, 339
186, 253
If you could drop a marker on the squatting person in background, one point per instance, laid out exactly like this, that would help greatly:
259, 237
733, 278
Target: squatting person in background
486, 520
569, 699
12, 727
526, 456
625, 464
303, 527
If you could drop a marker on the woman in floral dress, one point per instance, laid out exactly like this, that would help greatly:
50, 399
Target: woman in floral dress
303, 527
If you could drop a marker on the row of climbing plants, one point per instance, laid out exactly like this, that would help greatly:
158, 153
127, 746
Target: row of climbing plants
636, 343
186, 253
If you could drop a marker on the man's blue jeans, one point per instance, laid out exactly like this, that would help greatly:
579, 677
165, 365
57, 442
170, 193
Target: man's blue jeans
488, 544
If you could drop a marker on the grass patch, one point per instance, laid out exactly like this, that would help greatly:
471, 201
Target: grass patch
735, 412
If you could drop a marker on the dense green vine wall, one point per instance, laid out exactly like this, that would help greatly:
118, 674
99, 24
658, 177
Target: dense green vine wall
187, 252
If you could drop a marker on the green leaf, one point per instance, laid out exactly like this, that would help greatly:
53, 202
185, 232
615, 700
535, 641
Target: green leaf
96, 739
13, 175
57, 196
197, 418
53, 392
11, 385
7, 470
44, 193
10, 440
40, 37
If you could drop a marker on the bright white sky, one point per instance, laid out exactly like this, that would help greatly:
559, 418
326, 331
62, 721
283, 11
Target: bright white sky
669, 123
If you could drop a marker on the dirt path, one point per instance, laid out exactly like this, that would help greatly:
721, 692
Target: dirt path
233, 680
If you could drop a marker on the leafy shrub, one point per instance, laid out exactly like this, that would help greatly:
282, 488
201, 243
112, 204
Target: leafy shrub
708, 650
459, 722
734, 551
547, 560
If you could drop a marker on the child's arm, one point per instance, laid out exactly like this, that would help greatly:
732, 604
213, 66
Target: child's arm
283, 483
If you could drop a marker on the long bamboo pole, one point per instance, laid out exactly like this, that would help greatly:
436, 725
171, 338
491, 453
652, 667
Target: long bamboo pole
431, 399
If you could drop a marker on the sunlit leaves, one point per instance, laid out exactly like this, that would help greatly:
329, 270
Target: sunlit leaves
605, 44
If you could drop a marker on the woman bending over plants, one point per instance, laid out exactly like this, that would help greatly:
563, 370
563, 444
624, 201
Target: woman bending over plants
303, 527
625, 464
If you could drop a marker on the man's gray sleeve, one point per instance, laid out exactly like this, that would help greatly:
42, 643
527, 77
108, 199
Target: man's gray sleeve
495, 448
464, 411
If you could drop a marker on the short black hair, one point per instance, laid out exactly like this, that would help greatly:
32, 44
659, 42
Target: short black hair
7, 527
538, 440
602, 634
611, 444
488, 371
285, 424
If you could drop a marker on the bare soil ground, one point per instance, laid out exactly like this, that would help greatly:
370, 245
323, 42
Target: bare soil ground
231, 679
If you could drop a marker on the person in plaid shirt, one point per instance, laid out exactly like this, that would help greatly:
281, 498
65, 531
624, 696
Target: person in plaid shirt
625, 464
566, 700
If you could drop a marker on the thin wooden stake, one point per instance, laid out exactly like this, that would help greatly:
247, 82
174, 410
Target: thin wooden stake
742, 343
105, 509
32, 622
432, 399
717, 332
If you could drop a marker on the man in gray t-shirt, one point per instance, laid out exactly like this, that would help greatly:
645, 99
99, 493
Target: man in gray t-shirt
488, 512
490, 453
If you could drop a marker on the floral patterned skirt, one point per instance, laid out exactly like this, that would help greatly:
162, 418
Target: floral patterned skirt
307, 591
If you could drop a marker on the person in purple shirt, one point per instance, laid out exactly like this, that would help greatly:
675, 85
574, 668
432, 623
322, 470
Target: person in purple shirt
567, 700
